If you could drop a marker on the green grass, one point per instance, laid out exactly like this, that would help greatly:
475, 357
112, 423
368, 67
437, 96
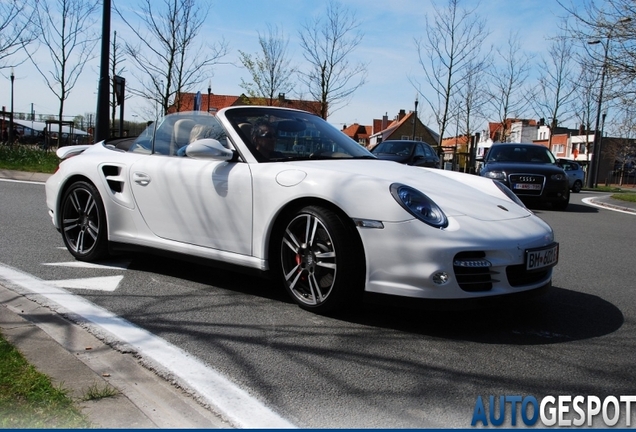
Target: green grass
627, 196
28, 158
28, 399
97, 392
611, 189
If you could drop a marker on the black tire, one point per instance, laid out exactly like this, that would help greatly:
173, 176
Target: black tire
83, 222
562, 205
577, 186
318, 257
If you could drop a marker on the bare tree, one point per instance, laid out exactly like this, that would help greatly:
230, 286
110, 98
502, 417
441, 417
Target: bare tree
116, 59
16, 29
327, 43
612, 23
168, 58
555, 90
454, 37
271, 71
471, 102
507, 88
584, 104
67, 33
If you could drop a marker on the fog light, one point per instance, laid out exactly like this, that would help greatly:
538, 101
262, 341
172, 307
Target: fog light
440, 278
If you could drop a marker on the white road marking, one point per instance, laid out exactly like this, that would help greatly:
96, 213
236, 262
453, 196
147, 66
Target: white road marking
588, 201
81, 264
106, 283
22, 181
233, 403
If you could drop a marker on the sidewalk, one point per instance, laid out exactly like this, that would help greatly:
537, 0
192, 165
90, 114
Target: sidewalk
76, 360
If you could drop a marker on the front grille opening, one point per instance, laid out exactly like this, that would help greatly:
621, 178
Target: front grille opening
519, 276
524, 184
472, 271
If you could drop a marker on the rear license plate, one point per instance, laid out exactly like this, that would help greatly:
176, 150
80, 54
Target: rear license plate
537, 259
527, 186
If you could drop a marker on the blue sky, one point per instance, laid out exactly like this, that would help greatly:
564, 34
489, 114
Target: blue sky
389, 28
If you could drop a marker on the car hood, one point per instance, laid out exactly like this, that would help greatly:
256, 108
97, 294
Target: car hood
391, 157
458, 194
520, 167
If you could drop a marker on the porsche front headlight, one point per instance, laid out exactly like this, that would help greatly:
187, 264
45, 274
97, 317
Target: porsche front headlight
419, 205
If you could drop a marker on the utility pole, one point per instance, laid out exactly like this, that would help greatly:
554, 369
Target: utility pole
103, 90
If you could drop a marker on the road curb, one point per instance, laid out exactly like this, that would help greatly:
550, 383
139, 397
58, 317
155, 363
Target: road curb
603, 202
24, 176
77, 360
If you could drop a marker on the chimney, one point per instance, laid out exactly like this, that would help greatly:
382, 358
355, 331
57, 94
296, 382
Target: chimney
385, 121
401, 114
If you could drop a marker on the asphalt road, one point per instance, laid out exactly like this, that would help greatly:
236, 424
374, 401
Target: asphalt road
378, 366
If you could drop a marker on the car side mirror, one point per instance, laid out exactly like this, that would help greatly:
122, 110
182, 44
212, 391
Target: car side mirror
208, 148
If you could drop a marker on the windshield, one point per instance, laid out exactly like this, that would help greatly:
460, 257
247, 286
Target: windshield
520, 153
279, 135
394, 148
173, 132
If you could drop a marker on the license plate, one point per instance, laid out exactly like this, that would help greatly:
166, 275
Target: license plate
527, 186
541, 258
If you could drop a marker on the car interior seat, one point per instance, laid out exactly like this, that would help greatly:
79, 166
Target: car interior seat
246, 128
181, 134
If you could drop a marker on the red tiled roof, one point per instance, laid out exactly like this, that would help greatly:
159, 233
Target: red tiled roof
218, 102
357, 131
455, 141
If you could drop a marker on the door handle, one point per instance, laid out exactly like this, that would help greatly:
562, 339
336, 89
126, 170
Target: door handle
141, 179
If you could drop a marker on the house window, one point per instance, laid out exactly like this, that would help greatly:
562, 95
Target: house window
406, 137
558, 148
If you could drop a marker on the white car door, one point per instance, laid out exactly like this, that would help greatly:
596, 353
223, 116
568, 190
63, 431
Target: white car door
201, 202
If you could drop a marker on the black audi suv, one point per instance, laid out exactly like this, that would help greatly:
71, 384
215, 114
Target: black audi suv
530, 171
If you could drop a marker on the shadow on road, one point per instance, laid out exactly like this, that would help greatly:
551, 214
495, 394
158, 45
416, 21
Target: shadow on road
560, 315
572, 208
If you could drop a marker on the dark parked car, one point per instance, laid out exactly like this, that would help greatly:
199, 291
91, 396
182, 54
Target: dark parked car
575, 173
407, 152
530, 171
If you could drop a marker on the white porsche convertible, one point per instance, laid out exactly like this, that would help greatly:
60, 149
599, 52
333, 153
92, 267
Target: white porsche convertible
282, 191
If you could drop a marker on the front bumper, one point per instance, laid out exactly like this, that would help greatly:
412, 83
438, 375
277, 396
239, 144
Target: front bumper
406, 259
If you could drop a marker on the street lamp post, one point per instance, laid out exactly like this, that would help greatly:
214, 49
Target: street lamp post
592, 177
415, 117
596, 154
11, 137
209, 93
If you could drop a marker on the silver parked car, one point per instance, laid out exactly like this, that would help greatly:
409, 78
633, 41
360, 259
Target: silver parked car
575, 173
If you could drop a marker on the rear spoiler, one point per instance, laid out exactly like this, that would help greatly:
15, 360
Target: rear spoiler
70, 151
